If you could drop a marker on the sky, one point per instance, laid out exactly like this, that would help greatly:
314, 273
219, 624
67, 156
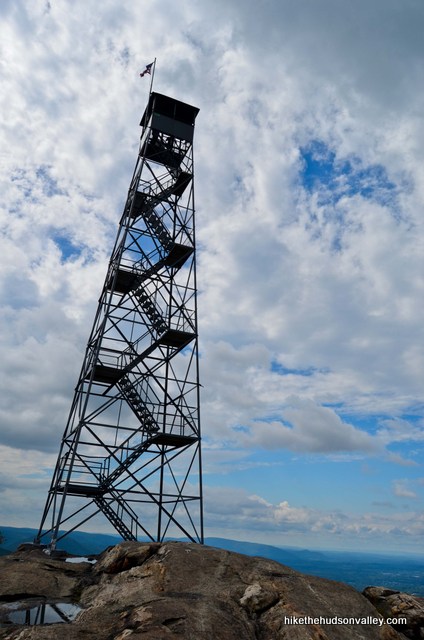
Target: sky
309, 183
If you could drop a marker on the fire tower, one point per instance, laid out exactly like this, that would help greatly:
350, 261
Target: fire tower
131, 447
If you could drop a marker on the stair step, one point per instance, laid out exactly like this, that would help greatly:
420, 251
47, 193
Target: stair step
138, 406
151, 310
114, 519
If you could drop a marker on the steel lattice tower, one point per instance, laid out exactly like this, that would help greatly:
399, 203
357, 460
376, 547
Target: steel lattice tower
131, 447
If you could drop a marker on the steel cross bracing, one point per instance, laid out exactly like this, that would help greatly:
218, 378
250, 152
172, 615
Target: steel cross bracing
131, 448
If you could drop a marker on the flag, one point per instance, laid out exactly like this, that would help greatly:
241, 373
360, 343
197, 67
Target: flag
148, 70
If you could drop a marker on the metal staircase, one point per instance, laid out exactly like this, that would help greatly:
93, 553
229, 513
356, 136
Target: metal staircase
127, 460
144, 205
119, 514
150, 310
147, 421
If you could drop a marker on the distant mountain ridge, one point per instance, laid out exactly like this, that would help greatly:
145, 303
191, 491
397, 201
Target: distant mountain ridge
280, 554
82, 543
78, 542
356, 569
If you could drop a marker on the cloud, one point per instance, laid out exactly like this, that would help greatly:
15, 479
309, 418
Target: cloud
240, 511
268, 271
346, 46
404, 462
311, 428
218, 460
309, 193
399, 430
252, 404
401, 490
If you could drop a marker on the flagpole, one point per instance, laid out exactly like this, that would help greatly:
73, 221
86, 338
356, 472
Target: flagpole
152, 75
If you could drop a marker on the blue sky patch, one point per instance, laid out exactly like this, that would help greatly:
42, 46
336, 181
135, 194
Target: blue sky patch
66, 246
335, 178
276, 367
30, 186
49, 184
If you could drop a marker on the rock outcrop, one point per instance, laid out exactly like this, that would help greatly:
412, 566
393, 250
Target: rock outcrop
179, 590
394, 604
